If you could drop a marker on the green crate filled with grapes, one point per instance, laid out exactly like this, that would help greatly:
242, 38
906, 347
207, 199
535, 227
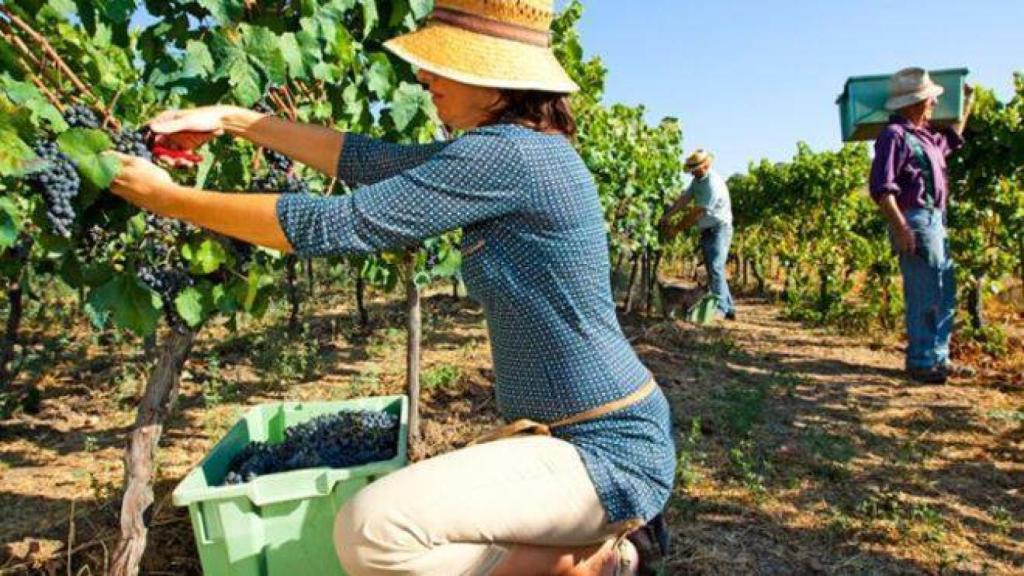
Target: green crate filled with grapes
264, 500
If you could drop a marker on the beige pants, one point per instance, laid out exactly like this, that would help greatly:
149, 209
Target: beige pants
458, 514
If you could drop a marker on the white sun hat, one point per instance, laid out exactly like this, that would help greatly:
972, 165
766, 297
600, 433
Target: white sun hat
911, 86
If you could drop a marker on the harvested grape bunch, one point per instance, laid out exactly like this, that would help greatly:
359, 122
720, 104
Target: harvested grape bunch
58, 183
79, 116
342, 440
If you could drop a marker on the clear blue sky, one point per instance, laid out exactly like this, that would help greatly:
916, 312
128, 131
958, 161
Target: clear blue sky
750, 78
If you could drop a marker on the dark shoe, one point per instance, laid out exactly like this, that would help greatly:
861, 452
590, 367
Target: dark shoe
959, 370
652, 546
933, 375
731, 316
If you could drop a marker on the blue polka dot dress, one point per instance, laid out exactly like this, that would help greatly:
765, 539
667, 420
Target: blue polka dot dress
536, 258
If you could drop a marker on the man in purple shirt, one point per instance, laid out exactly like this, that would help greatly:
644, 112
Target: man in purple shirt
908, 181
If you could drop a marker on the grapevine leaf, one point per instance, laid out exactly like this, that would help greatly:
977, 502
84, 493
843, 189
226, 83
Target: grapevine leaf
325, 27
117, 11
15, 155
190, 306
309, 44
254, 294
63, 7
224, 12
203, 172
448, 267
28, 96
409, 99
327, 72
9, 225
381, 77
292, 54
205, 258
243, 78
420, 8
133, 306
421, 279
224, 300
86, 149
370, 16
263, 47
197, 61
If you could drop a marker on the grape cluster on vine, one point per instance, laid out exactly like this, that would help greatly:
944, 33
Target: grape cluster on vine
133, 143
161, 268
58, 184
79, 116
342, 440
167, 282
280, 176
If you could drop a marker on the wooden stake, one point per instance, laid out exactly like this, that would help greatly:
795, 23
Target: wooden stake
413, 327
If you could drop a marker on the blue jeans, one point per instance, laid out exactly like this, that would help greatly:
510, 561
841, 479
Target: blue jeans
715, 244
929, 290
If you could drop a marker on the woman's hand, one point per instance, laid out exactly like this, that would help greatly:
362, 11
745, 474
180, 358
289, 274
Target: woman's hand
144, 184
186, 130
905, 241
206, 121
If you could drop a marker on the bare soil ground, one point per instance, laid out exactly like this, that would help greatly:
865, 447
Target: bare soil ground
801, 451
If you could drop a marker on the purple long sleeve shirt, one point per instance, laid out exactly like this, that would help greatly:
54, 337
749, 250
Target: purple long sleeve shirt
895, 170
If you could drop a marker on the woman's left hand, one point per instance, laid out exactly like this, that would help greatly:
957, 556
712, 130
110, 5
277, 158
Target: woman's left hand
143, 183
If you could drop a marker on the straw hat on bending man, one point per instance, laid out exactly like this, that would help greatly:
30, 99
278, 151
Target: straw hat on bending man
535, 254
712, 213
910, 185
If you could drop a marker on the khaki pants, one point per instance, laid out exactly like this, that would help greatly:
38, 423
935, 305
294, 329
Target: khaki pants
459, 513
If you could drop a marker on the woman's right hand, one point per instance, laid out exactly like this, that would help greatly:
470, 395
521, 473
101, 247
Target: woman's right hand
186, 130
905, 240
190, 129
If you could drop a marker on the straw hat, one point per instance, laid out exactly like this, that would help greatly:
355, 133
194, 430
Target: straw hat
697, 160
491, 43
911, 86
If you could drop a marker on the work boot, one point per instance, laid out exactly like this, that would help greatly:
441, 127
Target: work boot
933, 375
652, 546
959, 370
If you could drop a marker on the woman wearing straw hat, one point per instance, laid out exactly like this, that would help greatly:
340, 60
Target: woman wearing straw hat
908, 181
535, 255
712, 213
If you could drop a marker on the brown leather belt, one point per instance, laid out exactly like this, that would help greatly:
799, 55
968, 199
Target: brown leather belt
536, 428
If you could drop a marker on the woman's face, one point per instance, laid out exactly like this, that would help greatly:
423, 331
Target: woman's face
460, 106
922, 111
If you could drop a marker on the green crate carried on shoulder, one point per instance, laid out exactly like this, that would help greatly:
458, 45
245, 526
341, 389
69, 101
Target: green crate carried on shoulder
279, 524
862, 104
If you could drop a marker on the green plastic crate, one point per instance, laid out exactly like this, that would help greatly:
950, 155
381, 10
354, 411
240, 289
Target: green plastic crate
279, 524
862, 103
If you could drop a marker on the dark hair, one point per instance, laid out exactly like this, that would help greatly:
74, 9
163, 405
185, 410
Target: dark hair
541, 111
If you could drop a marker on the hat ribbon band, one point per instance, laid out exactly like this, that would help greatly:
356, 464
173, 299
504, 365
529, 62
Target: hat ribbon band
489, 27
